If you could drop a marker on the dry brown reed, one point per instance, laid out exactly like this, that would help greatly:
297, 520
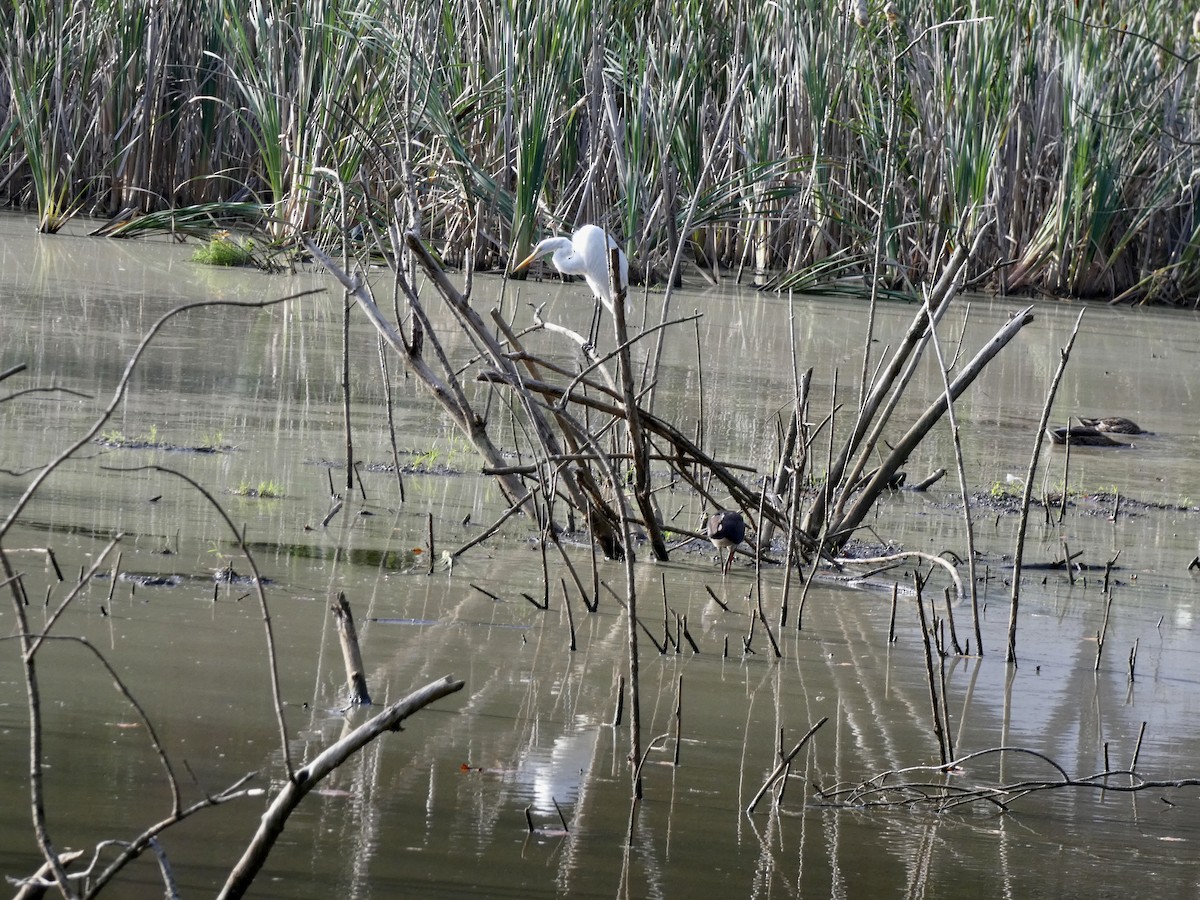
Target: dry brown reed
797, 145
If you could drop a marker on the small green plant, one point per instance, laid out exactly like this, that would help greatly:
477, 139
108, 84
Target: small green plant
460, 451
426, 460
115, 437
1002, 490
212, 440
225, 250
265, 490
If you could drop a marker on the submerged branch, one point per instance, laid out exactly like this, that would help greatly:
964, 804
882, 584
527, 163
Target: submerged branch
784, 764
911, 554
894, 789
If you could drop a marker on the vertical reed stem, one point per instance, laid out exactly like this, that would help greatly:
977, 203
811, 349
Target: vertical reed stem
619, 713
950, 618
679, 720
429, 530
946, 707
1108, 567
1137, 750
1102, 634
1062, 502
347, 305
931, 677
960, 466
1027, 494
391, 418
570, 616
666, 617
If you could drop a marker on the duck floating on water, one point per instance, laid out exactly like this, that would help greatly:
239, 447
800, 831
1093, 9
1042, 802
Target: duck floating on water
1112, 425
1082, 436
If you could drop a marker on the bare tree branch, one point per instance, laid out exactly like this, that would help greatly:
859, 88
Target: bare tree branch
240, 538
313, 773
119, 393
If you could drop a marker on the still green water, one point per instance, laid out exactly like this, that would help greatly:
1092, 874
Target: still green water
439, 809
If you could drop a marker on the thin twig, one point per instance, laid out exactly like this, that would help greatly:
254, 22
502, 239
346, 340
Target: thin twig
783, 764
1027, 492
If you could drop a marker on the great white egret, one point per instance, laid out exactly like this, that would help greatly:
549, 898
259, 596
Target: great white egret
726, 530
585, 253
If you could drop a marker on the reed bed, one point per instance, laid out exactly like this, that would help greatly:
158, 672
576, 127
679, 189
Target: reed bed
791, 140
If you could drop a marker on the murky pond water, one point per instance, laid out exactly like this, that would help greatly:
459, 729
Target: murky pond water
440, 808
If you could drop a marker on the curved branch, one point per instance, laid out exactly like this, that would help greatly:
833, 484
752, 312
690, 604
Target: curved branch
22, 501
176, 803
276, 695
274, 819
133, 849
893, 557
45, 390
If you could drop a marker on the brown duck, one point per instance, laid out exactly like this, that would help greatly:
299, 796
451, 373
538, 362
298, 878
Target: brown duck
1082, 436
1112, 425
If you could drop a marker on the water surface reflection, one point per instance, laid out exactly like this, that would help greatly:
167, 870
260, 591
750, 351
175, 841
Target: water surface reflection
439, 809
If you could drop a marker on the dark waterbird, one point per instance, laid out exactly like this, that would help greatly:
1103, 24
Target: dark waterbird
1112, 425
1095, 432
726, 530
1082, 436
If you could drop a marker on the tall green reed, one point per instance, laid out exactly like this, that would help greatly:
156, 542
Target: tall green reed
1073, 131
53, 75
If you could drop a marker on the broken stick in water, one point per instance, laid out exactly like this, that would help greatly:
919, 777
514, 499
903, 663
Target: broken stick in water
356, 680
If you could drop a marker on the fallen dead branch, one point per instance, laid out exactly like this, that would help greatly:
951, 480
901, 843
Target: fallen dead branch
946, 565
556, 440
311, 774
784, 765
900, 787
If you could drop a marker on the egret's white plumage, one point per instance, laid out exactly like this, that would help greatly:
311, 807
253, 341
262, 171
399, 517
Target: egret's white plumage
585, 253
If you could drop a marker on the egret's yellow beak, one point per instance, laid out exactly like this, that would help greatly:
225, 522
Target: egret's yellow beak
524, 264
